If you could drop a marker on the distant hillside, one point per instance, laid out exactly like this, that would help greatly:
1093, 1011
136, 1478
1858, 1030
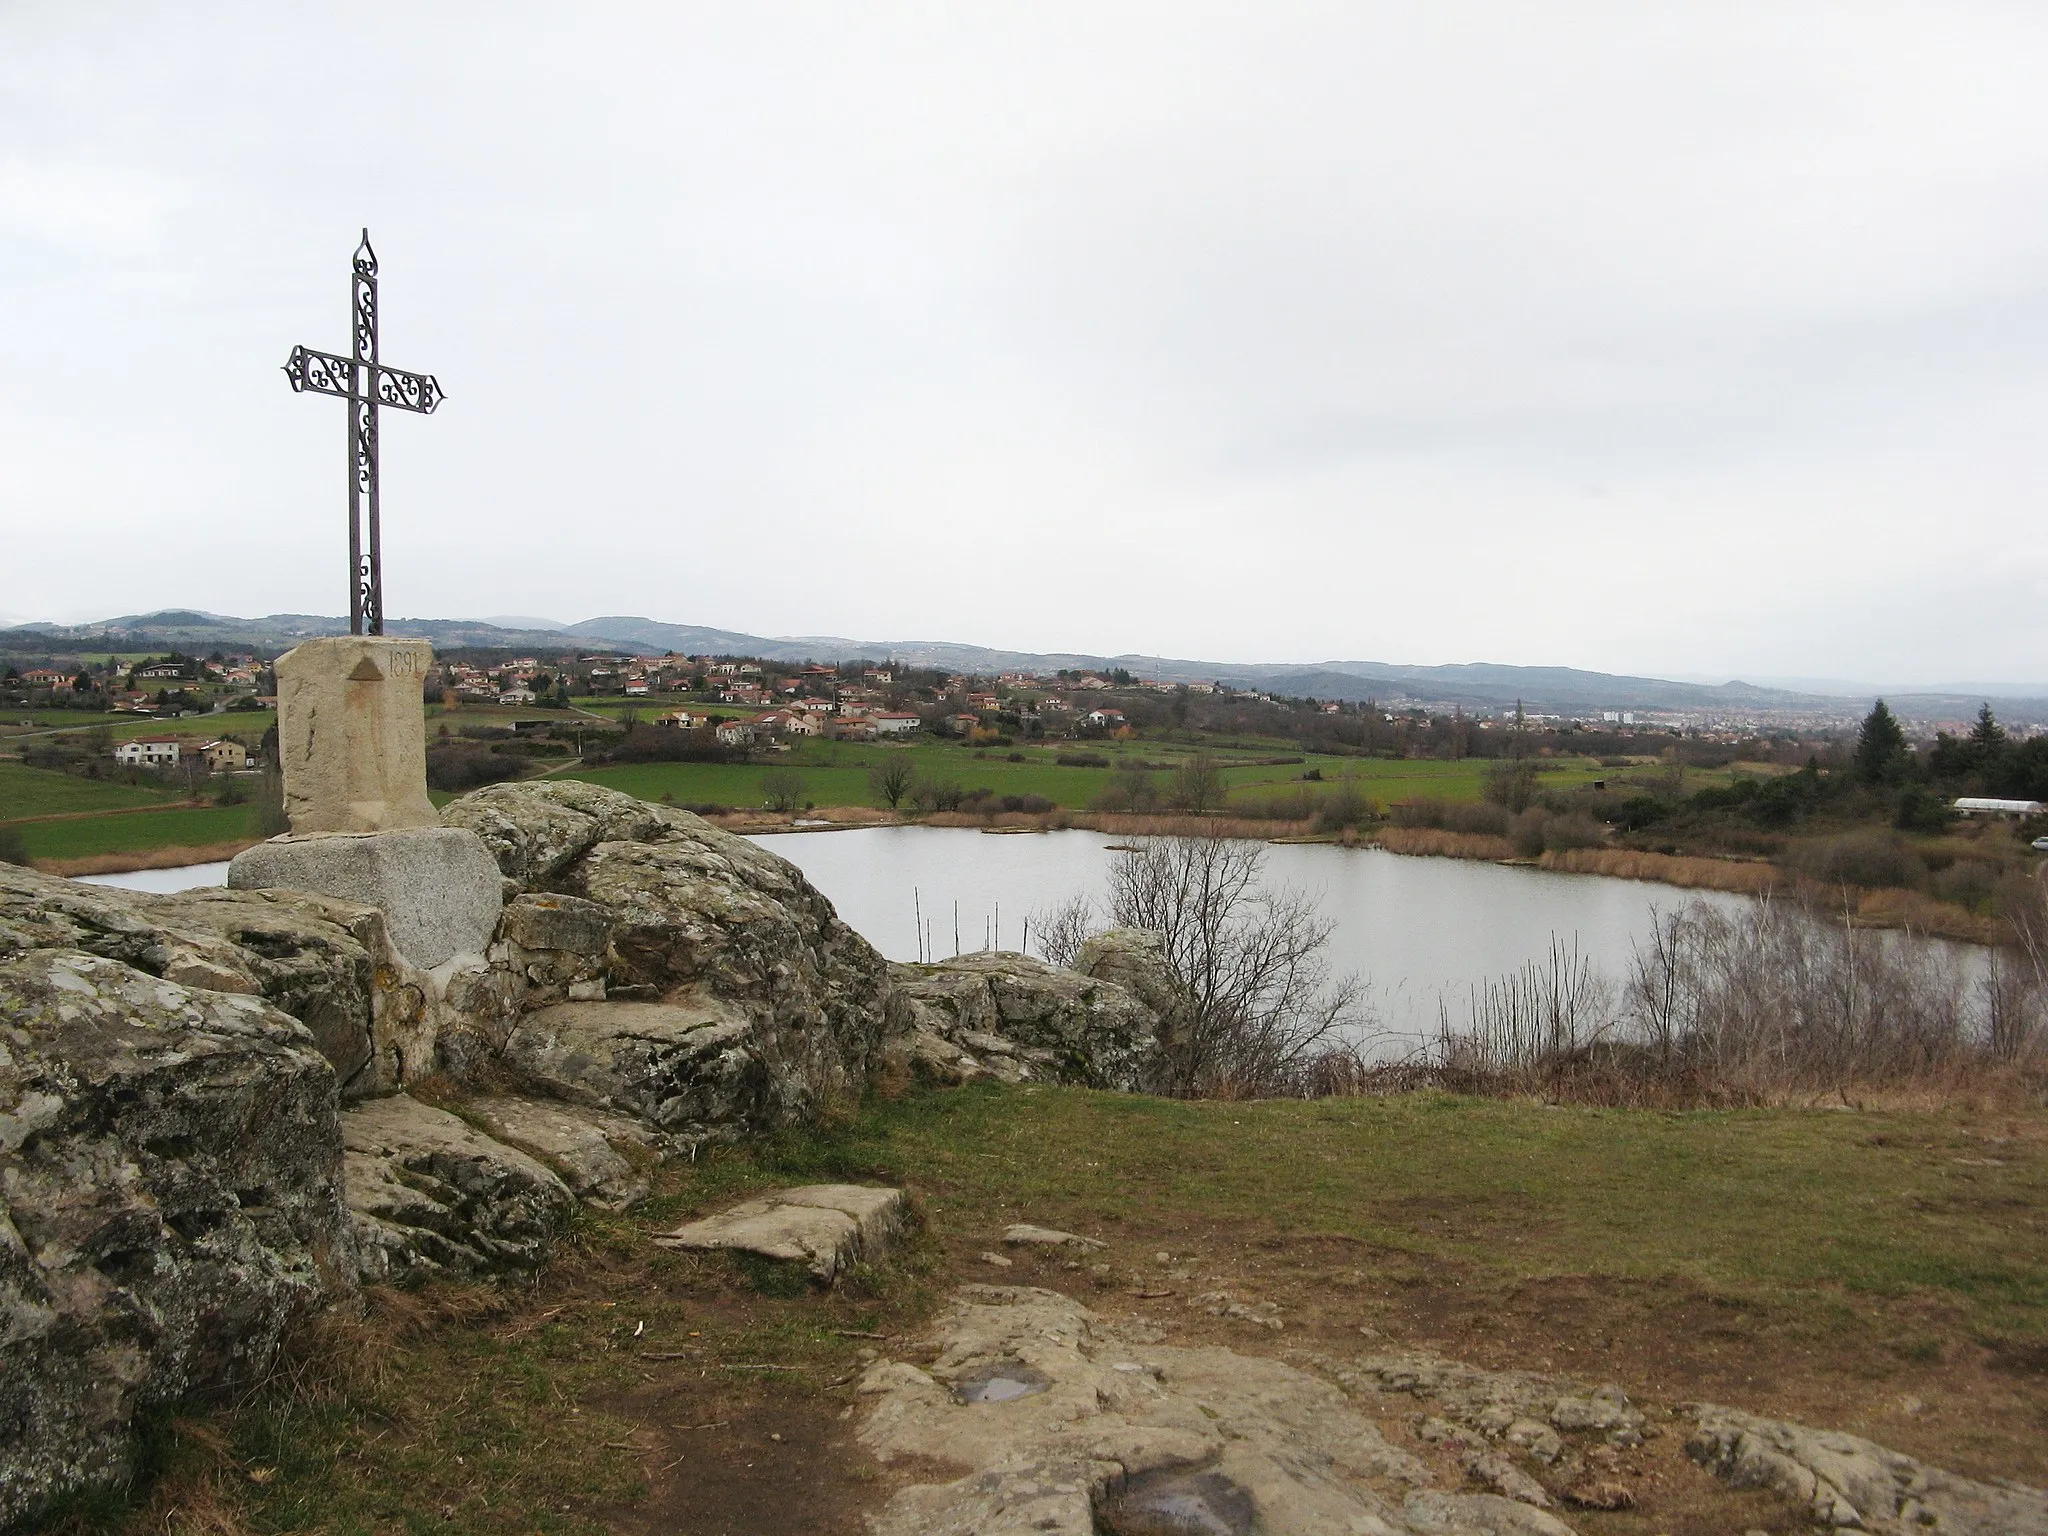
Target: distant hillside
1471, 685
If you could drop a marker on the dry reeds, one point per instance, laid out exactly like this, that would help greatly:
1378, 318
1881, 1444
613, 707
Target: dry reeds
1440, 843
1742, 876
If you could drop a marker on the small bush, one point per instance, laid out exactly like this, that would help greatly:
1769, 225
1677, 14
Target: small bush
1082, 760
13, 846
1345, 807
1868, 860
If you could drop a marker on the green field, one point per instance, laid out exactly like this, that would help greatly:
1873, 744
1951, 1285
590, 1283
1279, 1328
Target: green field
837, 773
28, 791
137, 831
248, 725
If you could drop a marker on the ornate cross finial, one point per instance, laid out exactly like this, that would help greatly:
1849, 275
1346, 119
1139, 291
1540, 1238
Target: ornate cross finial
365, 384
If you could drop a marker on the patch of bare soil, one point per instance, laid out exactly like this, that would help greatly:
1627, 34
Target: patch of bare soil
737, 1460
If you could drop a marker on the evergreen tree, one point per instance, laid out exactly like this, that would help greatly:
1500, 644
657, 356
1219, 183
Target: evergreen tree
1881, 754
1987, 735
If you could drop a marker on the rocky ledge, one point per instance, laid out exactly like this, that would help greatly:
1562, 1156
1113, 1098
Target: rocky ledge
1050, 1418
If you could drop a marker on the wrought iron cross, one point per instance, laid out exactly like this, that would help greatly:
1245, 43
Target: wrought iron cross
365, 384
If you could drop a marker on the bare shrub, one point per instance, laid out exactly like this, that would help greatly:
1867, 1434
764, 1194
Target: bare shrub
1572, 830
1525, 1027
1772, 1001
1511, 784
1526, 832
1059, 932
931, 793
1197, 785
782, 789
1263, 1005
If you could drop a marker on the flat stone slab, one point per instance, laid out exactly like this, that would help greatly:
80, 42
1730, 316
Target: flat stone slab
589, 1148
438, 887
824, 1227
1024, 1235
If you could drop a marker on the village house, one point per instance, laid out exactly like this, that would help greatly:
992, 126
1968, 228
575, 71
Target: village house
513, 697
797, 723
224, 756
963, 725
735, 733
852, 728
149, 752
1107, 719
895, 723
680, 719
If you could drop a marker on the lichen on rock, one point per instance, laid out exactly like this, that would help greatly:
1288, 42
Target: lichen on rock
170, 1204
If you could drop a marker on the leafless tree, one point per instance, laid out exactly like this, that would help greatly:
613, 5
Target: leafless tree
1197, 785
891, 780
1262, 1003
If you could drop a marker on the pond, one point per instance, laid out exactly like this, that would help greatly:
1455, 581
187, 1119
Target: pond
1421, 931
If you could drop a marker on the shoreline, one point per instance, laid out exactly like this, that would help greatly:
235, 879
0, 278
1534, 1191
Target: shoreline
1888, 908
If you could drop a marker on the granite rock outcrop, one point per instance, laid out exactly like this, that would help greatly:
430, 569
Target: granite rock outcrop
170, 1204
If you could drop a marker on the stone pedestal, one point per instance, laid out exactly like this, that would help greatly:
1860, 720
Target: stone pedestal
439, 887
352, 734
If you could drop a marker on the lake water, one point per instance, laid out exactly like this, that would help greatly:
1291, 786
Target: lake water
1421, 931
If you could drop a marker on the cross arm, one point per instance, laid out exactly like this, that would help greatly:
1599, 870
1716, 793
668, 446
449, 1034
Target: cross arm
326, 374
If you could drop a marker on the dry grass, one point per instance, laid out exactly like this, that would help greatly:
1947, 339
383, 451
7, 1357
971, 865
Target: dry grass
1918, 913
147, 858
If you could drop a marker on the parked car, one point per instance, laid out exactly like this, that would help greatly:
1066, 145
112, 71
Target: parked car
2040, 845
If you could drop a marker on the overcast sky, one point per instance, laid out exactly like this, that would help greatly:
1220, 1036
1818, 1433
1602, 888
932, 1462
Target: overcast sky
1705, 339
